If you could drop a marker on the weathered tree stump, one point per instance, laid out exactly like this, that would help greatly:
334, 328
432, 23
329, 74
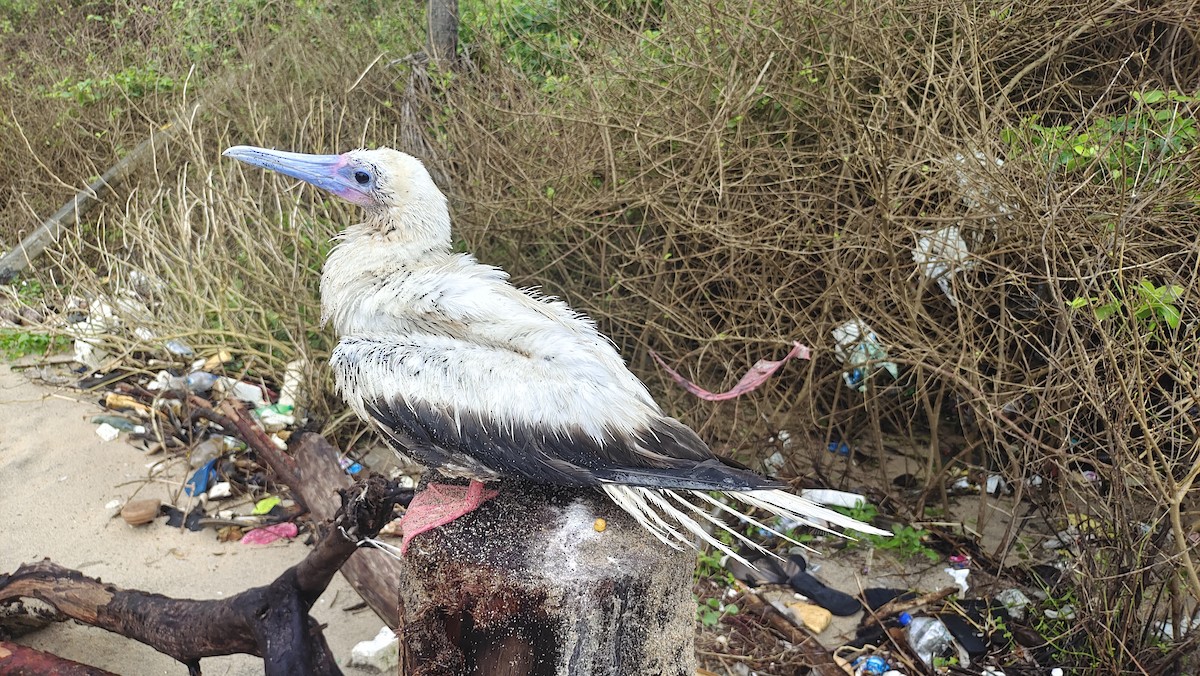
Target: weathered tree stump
526, 586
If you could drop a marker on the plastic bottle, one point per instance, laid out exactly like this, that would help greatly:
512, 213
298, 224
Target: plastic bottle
200, 381
119, 422
929, 638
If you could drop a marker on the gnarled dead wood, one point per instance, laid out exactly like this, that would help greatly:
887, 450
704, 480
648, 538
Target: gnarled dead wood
271, 621
19, 659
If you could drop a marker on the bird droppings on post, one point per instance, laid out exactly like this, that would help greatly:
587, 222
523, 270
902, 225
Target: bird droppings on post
528, 566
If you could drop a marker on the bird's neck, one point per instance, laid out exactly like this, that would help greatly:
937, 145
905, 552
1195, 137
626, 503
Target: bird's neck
374, 252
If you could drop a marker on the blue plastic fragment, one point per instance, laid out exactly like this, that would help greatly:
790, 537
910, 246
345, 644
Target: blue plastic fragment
350, 466
839, 447
200, 479
873, 664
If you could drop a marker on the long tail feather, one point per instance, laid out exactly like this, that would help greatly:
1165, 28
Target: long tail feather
787, 504
651, 508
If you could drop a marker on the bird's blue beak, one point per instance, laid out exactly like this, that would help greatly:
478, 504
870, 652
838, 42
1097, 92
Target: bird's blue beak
327, 172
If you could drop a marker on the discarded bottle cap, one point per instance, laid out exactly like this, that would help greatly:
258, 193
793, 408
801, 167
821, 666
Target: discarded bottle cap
600, 525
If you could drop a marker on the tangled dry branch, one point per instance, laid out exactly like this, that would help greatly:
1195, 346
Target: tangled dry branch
715, 180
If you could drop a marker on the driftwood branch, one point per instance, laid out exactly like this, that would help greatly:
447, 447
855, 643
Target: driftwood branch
313, 474
271, 622
374, 575
18, 659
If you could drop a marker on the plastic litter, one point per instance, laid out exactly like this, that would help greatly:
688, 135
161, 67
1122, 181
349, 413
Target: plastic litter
100, 321
215, 361
180, 349
220, 490
814, 617
873, 664
266, 504
206, 451
795, 568
977, 190
268, 534
996, 485
833, 498
191, 520
107, 432
381, 653
1166, 628
112, 508
293, 375
200, 479
251, 394
200, 381
164, 381
959, 576
928, 638
275, 417
757, 375
1064, 612
962, 485
839, 447
119, 423
1015, 601
858, 348
967, 634
939, 254
124, 402
773, 464
350, 466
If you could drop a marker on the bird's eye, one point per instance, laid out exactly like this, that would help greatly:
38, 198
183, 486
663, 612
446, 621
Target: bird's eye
362, 177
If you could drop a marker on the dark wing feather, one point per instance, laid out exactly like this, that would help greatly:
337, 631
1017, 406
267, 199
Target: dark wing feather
665, 455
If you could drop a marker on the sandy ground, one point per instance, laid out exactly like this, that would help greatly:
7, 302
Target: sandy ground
56, 476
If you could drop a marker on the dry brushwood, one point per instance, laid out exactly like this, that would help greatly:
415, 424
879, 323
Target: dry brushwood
271, 622
713, 181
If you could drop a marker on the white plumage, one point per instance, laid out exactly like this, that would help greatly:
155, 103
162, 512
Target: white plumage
478, 379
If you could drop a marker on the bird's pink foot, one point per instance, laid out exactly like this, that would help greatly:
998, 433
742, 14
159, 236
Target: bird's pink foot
438, 505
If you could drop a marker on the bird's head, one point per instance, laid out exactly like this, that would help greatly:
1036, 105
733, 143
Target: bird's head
379, 180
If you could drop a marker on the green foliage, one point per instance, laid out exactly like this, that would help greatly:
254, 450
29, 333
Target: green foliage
13, 14
1059, 631
208, 29
133, 82
1129, 149
906, 542
1150, 305
532, 34
17, 343
710, 611
708, 567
